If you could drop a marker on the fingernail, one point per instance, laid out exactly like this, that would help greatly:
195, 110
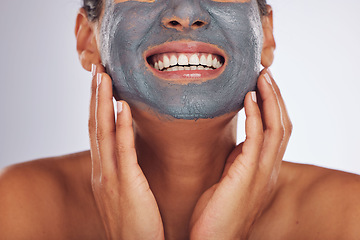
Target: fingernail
253, 96
98, 78
267, 77
119, 107
270, 73
93, 69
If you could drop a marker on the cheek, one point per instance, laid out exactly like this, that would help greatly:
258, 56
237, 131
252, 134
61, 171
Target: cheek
124, 27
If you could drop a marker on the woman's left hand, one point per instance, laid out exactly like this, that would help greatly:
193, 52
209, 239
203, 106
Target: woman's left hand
229, 209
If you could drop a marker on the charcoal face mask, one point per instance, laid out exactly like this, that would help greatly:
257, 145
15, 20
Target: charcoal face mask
129, 28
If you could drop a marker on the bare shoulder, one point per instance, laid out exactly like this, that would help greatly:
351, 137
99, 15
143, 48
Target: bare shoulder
312, 202
315, 203
330, 200
42, 198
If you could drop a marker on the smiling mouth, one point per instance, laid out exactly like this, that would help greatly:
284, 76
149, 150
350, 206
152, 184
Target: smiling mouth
167, 62
186, 61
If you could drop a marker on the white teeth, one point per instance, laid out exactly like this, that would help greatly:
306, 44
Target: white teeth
181, 68
173, 60
214, 63
209, 60
194, 60
161, 65
183, 60
166, 61
193, 67
203, 60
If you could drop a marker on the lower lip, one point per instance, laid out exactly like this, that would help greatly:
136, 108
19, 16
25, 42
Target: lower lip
188, 75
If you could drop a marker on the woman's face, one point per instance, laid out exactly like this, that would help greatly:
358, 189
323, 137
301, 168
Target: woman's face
189, 59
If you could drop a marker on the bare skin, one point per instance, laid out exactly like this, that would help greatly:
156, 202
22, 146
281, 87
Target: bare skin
53, 199
150, 178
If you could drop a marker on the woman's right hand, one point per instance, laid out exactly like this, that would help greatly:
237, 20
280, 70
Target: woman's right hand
126, 204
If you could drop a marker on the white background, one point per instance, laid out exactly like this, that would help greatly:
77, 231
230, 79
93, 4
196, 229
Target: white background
44, 92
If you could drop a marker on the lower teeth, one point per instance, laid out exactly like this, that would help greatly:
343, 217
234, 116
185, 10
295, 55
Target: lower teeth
180, 68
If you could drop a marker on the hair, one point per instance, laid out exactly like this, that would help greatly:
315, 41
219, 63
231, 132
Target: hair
93, 8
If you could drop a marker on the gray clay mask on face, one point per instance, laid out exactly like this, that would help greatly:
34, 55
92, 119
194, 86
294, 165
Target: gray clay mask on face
230, 32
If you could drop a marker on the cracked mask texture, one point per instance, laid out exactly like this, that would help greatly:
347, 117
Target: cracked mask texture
132, 27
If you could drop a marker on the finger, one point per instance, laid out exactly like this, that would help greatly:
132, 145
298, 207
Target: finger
125, 145
92, 123
285, 116
230, 160
105, 126
272, 121
286, 123
247, 161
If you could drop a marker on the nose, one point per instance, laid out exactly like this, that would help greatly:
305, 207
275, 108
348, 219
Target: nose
184, 15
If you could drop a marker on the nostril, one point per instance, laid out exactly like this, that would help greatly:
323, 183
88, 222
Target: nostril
174, 23
180, 24
198, 24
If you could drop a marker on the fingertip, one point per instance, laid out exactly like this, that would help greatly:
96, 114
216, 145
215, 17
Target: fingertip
98, 79
93, 69
97, 68
122, 106
253, 96
250, 99
124, 133
119, 106
265, 77
123, 113
265, 86
251, 106
104, 88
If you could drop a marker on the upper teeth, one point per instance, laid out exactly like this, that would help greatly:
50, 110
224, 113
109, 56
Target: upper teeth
185, 61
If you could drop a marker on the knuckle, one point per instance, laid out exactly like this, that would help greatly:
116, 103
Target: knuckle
289, 128
91, 124
260, 136
122, 149
240, 169
259, 139
277, 131
100, 136
281, 131
102, 132
123, 124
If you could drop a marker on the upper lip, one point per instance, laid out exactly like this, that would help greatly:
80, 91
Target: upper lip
185, 47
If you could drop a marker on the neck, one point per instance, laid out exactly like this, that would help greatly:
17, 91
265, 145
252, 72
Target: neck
181, 159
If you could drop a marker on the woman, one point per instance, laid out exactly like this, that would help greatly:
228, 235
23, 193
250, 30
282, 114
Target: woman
169, 168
